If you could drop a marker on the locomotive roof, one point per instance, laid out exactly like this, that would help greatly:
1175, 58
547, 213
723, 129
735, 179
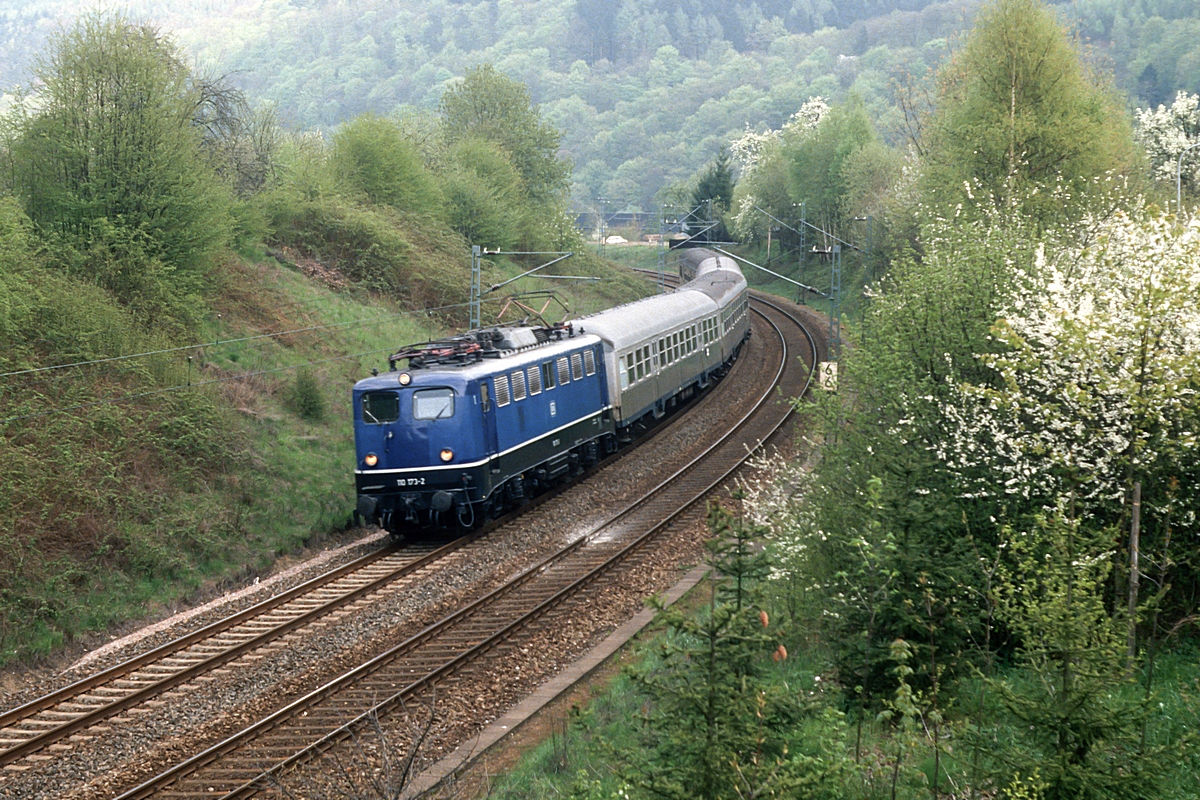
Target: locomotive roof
508, 360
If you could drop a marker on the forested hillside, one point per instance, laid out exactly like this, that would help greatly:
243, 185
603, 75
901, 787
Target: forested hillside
645, 92
984, 578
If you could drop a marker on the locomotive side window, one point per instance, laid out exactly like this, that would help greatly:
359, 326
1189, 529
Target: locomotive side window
518, 385
433, 404
535, 380
564, 372
576, 367
589, 362
380, 407
548, 375
484, 397
502, 395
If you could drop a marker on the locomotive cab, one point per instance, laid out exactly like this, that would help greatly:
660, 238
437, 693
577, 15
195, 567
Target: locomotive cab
422, 447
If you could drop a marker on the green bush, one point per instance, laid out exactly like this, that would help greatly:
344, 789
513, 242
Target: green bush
371, 156
361, 243
485, 195
304, 396
113, 140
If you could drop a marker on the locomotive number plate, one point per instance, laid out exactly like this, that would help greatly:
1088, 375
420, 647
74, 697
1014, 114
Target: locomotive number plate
410, 481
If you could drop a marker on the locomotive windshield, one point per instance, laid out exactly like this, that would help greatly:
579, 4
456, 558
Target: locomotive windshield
380, 407
433, 404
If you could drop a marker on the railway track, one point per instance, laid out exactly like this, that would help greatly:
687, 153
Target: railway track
442, 652
40, 723
476, 637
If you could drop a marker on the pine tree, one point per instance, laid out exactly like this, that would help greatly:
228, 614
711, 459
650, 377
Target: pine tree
715, 185
715, 725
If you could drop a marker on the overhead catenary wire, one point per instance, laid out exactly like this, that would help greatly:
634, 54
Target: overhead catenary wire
180, 387
223, 342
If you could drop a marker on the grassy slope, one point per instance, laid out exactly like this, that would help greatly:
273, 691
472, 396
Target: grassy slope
112, 512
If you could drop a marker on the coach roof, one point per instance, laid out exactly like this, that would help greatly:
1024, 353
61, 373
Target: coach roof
633, 323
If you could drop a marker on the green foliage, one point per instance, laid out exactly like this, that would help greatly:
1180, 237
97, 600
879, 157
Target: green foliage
14, 252
491, 106
715, 184
112, 142
304, 396
371, 156
1018, 113
484, 190
371, 246
818, 160
715, 726
633, 121
121, 260
1075, 729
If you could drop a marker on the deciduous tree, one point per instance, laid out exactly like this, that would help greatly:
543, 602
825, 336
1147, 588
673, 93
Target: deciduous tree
372, 157
113, 136
1018, 112
489, 105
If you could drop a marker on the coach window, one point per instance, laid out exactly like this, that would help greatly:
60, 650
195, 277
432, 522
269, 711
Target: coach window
433, 404
625, 370
380, 407
548, 375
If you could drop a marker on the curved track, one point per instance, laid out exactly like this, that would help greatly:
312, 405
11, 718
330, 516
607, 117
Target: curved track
475, 637
46, 721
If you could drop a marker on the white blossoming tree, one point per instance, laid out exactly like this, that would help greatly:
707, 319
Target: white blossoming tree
1166, 132
762, 181
1099, 371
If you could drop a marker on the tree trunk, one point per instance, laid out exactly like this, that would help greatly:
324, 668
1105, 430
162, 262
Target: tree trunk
1134, 576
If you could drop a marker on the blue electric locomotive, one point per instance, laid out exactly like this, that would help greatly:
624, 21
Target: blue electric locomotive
478, 423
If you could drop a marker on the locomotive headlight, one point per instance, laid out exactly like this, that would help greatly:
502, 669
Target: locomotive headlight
371, 460
405, 379
447, 454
